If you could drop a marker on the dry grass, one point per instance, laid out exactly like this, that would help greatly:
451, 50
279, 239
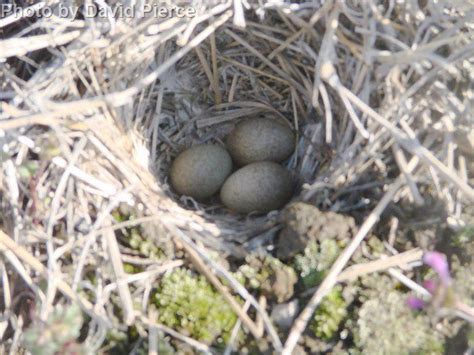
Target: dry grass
101, 107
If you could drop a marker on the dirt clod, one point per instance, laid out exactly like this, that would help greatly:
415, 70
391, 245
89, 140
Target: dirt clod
304, 223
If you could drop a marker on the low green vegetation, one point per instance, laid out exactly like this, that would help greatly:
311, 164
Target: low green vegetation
329, 315
57, 335
188, 303
385, 325
316, 260
270, 276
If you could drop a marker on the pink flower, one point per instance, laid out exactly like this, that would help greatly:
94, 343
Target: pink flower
430, 285
415, 303
438, 262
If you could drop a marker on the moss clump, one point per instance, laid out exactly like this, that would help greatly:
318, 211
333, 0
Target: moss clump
144, 245
329, 315
463, 281
58, 334
316, 259
189, 304
137, 238
269, 275
462, 266
131, 269
385, 325
129, 341
465, 236
124, 340
28, 169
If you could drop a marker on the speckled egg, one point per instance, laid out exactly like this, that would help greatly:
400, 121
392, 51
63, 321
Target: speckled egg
261, 187
200, 171
260, 139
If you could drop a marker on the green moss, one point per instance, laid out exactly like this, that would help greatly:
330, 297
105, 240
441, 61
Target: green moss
376, 246
269, 275
316, 260
329, 315
464, 236
115, 341
462, 264
463, 284
131, 269
189, 304
28, 169
164, 346
136, 238
470, 337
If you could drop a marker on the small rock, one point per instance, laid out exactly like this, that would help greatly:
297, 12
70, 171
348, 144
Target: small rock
284, 314
283, 284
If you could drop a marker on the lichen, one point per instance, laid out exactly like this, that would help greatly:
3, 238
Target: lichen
462, 266
316, 260
189, 304
329, 315
385, 325
57, 335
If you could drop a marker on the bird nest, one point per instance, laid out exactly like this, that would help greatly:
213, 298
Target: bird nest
95, 108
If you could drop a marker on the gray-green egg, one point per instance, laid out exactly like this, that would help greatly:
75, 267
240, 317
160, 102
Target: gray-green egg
261, 187
200, 171
260, 139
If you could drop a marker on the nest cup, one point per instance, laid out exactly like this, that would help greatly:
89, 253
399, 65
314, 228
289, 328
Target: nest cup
198, 108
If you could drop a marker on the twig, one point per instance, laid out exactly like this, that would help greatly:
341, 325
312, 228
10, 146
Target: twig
153, 334
123, 290
275, 68
106, 189
409, 144
194, 343
408, 282
353, 272
21, 46
7, 243
209, 74
239, 17
352, 114
7, 300
235, 332
383, 263
327, 112
20, 269
402, 164
103, 215
215, 71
